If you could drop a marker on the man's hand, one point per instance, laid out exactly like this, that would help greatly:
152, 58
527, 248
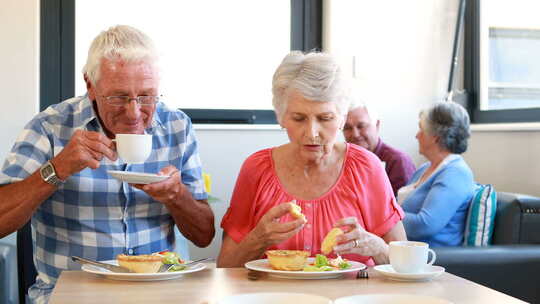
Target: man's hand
168, 191
85, 149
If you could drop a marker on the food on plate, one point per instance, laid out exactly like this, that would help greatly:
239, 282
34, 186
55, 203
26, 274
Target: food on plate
151, 263
293, 260
330, 241
296, 211
322, 263
173, 259
170, 257
145, 263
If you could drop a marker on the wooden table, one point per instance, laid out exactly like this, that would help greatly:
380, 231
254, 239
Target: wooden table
210, 285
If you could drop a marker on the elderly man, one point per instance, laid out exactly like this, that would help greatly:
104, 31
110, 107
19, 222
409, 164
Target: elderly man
56, 174
362, 128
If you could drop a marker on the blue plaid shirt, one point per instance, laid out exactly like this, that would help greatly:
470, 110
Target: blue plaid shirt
92, 214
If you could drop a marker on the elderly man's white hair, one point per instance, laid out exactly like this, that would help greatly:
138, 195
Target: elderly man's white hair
357, 104
317, 76
121, 42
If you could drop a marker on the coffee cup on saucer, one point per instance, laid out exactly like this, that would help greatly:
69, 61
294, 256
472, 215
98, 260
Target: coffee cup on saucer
410, 257
134, 148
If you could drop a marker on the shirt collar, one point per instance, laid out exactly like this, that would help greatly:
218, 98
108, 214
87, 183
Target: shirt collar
378, 147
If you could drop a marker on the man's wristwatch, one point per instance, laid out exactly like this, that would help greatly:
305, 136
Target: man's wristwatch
48, 174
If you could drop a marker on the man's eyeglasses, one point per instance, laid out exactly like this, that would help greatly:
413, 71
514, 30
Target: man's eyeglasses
119, 101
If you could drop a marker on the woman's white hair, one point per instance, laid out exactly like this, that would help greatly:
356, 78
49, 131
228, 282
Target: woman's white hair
120, 42
316, 76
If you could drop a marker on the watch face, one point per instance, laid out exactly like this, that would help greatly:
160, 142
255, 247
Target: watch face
47, 171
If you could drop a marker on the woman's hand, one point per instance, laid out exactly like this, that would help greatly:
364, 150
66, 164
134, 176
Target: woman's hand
270, 231
358, 241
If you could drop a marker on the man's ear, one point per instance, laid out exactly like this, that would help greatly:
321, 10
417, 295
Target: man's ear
378, 125
89, 88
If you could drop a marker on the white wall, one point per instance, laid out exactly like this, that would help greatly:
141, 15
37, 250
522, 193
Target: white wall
507, 159
402, 51
19, 77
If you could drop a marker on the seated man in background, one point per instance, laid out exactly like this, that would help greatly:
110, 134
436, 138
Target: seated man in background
56, 173
362, 128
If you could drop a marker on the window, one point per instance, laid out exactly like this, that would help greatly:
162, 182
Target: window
502, 64
217, 57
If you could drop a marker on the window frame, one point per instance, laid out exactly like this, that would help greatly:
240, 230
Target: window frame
57, 44
472, 70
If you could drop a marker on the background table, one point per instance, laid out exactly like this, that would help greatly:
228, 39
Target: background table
210, 285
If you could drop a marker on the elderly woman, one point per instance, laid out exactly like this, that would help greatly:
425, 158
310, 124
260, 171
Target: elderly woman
335, 184
437, 198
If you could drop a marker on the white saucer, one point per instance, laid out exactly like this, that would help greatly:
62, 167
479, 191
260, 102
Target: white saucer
274, 298
429, 273
391, 299
137, 178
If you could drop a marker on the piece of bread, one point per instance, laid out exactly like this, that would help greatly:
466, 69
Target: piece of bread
330, 241
145, 263
291, 260
296, 211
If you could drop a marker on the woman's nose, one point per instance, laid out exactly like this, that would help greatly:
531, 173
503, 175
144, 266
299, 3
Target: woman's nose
313, 129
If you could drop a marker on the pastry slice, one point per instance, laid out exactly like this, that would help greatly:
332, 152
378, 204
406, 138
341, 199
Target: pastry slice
292, 260
330, 241
296, 211
145, 263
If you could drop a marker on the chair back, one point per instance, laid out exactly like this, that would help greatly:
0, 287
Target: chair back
25, 261
517, 220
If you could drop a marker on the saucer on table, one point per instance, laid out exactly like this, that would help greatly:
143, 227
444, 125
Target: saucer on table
429, 272
137, 178
274, 298
391, 299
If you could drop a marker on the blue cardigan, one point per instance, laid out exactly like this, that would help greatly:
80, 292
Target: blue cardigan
436, 211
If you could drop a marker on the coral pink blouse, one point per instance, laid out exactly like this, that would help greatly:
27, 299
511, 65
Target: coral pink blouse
362, 190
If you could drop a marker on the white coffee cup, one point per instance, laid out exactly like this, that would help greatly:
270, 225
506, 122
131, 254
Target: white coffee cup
410, 257
134, 148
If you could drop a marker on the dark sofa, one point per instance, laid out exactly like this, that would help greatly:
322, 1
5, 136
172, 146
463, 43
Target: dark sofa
512, 263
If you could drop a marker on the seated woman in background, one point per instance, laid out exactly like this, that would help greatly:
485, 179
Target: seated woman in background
437, 198
335, 184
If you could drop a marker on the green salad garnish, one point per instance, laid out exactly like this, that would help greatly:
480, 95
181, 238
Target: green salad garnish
323, 264
344, 265
177, 267
321, 260
170, 258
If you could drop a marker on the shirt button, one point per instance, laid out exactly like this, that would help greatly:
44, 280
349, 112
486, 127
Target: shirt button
130, 251
308, 205
308, 226
307, 247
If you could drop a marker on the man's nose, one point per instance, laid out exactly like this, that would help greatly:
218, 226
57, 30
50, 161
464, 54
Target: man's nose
133, 109
355, 131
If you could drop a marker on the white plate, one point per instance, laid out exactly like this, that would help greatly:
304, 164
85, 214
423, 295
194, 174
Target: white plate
139, 276
264, 266
429, 273
275, 298
137, 178
391, 299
